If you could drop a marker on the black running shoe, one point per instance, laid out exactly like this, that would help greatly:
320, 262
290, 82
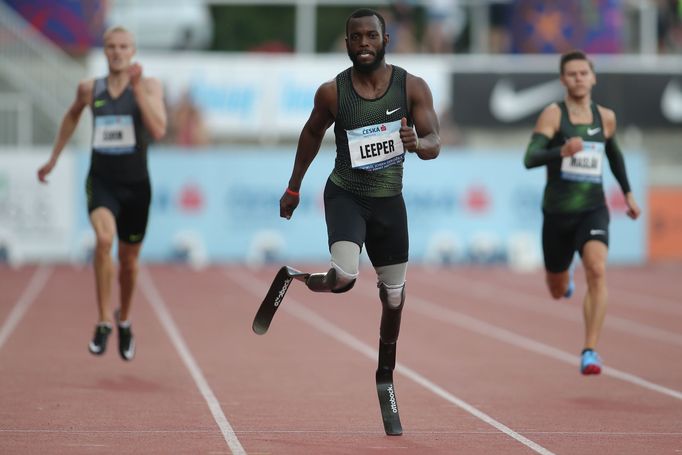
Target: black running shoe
126, 343
99, 342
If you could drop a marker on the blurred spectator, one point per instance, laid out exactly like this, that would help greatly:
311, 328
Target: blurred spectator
400, 28
669, 26
74, 25
555, 27
445, 21
187, 127
500, 21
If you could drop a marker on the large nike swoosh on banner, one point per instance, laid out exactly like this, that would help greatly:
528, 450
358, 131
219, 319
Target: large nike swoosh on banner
509, 105
671, 101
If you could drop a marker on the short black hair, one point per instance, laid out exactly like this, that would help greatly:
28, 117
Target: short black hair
366, 12
573, 55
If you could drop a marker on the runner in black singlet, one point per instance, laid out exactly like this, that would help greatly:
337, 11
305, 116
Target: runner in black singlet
573, 139
128, 113
379, 112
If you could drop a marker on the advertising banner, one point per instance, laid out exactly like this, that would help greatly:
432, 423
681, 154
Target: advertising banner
665, 223
256, 96
493, 99
37, 221
462, 208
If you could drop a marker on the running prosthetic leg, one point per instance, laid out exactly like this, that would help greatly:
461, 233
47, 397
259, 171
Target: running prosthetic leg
392, 300
274, 297
335, 280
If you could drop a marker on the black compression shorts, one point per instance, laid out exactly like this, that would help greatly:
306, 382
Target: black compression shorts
128, 202
565, 233
380, 223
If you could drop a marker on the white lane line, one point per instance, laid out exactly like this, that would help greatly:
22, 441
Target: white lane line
29, 295
599, 434
537, 304
463, 321
257, 287
157, 303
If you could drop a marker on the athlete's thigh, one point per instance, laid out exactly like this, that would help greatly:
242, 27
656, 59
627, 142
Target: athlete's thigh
103, 207
132, 221
558, 244
593, 226
387, 237
344, 215
128, 252
100, 193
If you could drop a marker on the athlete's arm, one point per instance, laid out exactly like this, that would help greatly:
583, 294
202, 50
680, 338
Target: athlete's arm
321, 118
538, 152
68, 126
148, 93
617, 162
424, 140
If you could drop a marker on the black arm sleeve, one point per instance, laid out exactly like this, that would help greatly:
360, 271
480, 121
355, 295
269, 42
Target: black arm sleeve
617, 164
537, 153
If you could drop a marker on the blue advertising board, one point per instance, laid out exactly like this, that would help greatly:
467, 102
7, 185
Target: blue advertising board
462, 207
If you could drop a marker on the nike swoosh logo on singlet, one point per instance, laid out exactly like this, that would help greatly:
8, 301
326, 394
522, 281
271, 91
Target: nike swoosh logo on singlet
99, 103
593, 131
390, 112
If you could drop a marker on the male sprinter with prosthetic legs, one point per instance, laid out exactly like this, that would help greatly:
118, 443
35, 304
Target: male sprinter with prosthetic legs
571, 139
379, 111
128, 113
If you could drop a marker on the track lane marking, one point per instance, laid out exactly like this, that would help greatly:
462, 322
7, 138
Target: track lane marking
35, 285
257, 286
161, 309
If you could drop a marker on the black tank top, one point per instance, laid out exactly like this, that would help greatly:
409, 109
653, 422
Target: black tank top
119, 139
369, 152
574, 184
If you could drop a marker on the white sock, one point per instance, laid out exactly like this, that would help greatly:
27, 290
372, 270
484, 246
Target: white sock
124, 324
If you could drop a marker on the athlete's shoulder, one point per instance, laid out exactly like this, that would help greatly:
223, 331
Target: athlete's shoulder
549, 120
86, 84
152, 84
608, 118
328, 87
326, 93
84, 90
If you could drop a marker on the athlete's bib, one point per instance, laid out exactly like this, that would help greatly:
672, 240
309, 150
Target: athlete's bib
375, 147
586, 165
114, 134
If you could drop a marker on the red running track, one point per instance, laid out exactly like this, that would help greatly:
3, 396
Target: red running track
487, 364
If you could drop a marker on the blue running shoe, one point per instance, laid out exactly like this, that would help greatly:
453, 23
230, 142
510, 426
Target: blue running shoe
571, 282
590, 362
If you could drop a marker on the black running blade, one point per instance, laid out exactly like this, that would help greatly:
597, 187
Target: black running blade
274, 298
388, 403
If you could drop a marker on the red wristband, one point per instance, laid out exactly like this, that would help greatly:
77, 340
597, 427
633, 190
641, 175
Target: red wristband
292, 192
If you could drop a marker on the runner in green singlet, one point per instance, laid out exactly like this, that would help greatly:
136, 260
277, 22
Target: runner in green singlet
573, 139
379, 112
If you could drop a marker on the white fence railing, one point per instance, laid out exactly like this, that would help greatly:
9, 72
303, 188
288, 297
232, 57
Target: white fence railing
37, 68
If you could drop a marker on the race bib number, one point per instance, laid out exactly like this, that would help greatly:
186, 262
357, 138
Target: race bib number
114, 134
586, 165
375, 147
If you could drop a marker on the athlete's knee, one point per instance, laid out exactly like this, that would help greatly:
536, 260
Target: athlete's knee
335, 280
557, 292
104, 241
392, 295
595, 270
392, 301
